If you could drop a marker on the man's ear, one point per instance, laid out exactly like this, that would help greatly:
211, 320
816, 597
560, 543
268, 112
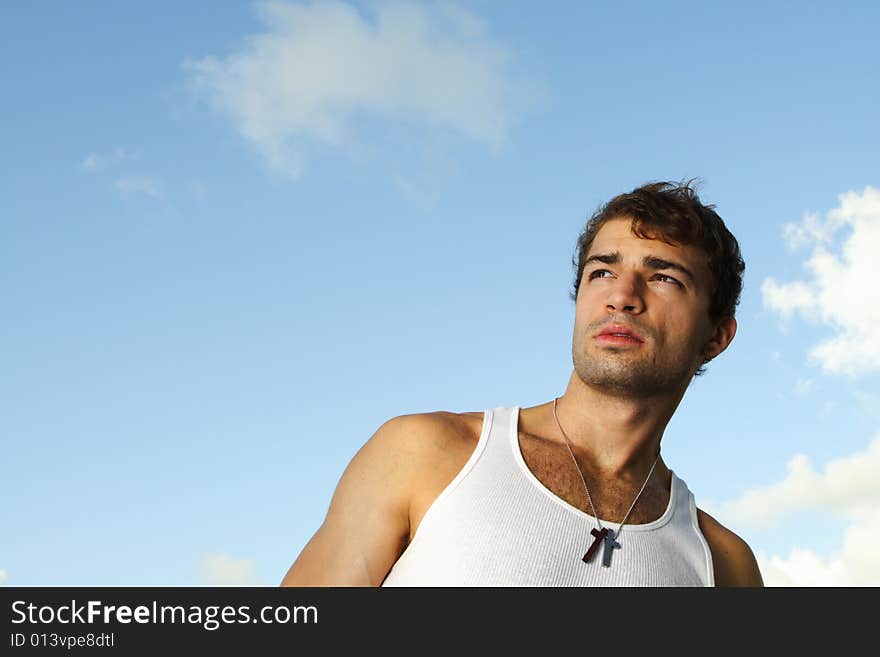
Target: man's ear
721, 338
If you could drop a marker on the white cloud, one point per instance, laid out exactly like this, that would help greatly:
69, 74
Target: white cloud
3, 577
855, 563
222, 570
788, 298
140, 185
90, 163
811, 229
95, 161
842, 292
320, 66
803, 386
848, 486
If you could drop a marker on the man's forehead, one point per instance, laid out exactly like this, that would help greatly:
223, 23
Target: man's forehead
616, 233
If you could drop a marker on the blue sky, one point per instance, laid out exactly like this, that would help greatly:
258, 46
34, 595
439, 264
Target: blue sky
236, 238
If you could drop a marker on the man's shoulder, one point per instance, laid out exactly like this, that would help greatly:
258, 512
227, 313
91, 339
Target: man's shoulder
431, 431
733, 560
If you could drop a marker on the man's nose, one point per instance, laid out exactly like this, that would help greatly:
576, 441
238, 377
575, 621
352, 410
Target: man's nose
625, 294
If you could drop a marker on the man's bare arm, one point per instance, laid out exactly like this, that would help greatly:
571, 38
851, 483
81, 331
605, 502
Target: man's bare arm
733, 560
367, 525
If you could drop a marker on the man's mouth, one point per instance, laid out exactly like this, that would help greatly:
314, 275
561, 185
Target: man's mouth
619, 334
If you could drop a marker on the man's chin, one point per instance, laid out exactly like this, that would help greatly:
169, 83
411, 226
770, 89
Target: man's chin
627, 381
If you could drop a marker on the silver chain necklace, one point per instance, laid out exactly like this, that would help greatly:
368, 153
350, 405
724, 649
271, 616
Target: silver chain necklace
602, 534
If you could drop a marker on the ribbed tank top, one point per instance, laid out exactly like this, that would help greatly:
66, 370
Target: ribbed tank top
496, 524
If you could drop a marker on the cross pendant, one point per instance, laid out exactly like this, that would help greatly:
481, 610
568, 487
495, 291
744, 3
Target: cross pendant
599, 536
610, 544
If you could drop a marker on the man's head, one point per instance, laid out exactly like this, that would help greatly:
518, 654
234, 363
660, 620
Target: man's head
626, 274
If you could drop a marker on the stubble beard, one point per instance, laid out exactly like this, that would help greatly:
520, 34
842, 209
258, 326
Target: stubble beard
623, 372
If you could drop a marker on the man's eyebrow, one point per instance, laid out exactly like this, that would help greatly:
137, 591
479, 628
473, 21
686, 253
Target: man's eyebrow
609, 259
648, 261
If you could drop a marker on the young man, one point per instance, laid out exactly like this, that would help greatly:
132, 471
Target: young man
572, 492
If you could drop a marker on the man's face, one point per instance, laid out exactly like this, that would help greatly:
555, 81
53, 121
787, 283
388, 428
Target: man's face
635, 286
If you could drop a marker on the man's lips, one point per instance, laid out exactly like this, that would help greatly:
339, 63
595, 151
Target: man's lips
618, 334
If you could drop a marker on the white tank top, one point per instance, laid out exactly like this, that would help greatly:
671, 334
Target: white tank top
496, 524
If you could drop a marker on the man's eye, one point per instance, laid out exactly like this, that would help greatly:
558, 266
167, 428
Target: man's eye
670, 279
594, 273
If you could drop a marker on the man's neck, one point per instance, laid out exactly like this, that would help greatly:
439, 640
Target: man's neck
617, 436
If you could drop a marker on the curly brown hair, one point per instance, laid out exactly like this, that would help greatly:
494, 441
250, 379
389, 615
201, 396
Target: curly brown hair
673, 213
